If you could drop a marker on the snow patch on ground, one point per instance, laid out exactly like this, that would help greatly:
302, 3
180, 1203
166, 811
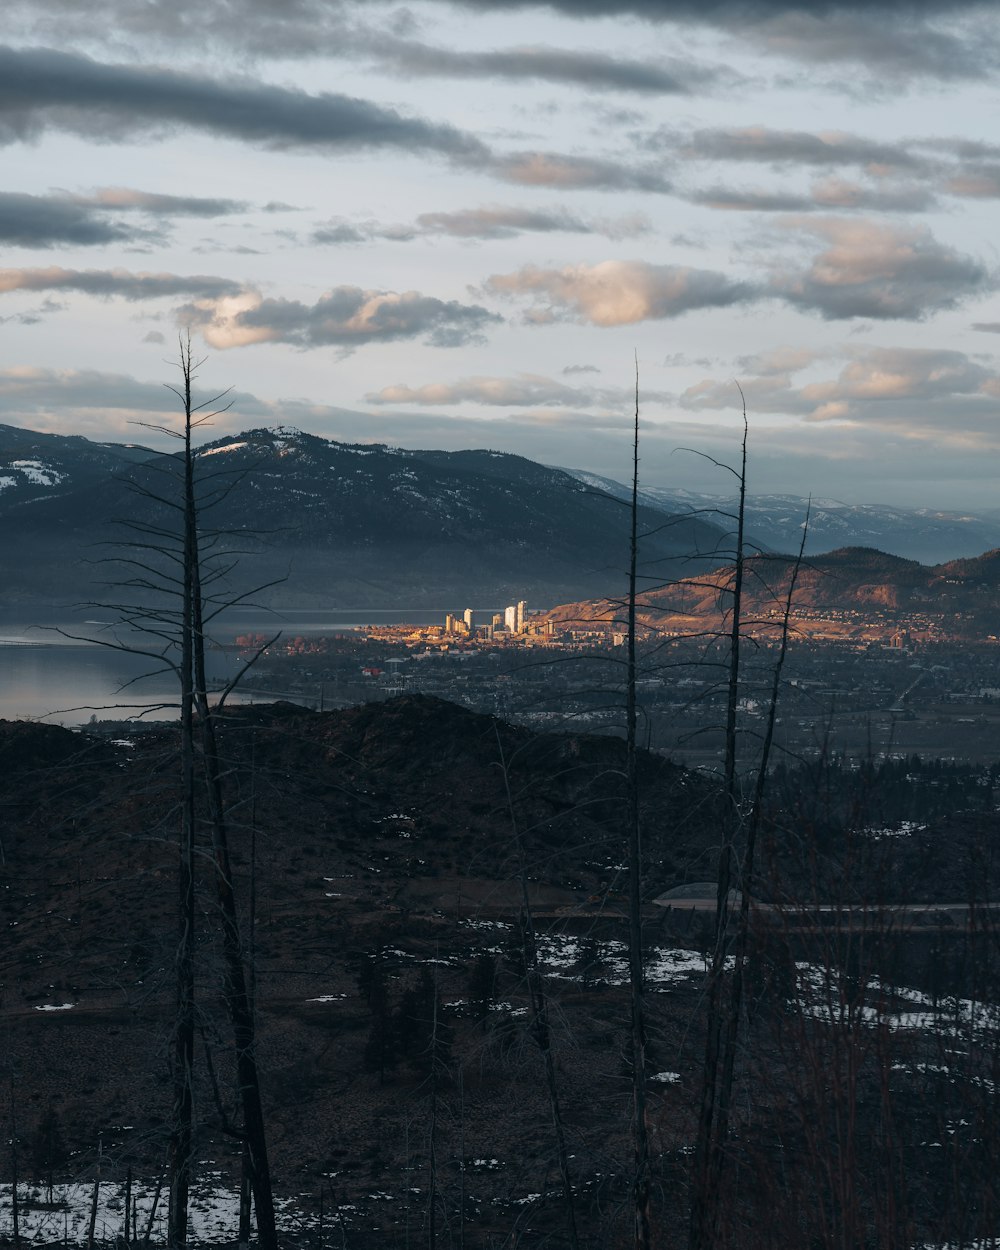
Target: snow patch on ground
37, 472
214, 1212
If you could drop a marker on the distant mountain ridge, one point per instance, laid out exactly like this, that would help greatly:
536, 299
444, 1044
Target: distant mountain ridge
846, 592
363, 524
774, 522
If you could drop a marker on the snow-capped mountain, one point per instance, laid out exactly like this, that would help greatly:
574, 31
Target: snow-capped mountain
355, 524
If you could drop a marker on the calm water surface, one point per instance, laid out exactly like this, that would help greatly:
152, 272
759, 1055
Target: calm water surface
44, 675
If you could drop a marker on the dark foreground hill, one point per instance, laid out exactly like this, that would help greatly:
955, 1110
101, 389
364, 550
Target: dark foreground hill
383, 846
378, 870
343, 524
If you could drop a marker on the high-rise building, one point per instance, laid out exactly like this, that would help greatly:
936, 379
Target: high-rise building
522, 612
497, 620
449, 624
468, 616
510, 619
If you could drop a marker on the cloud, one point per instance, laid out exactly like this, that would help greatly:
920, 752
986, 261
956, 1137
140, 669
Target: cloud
829, 193
98, 404
978, 182
570, 369
901, 39
896, 42
345, 316
497, 222
573, 173
84, 221
42, 221
685, 10
124, 199
614, 293
41, 88
781, 148
115, 282
905, 386
526, 390
596, 71
878, 271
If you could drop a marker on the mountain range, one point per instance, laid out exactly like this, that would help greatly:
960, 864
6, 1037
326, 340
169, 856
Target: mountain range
774, 522
361, 525
338, 525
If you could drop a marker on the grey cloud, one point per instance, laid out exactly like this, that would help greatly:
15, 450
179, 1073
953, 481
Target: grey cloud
893, 43
593, 70
122, 199
830, 193
341, 232
988, 327
980, 181
41, 88
761, 144
570, 369
346, 316
614, 293
154, 336
878, 271
898, 38
40, 221
84, 220
680, 10
496, 222
567, 172
116, 282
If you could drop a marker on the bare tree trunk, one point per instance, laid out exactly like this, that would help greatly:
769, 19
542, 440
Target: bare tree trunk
152, 1209
179, 1165
641, 1174
704, 1201
235, 989
735, 1005
95, 1195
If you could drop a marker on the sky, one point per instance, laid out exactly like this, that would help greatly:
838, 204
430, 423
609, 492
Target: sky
461, 224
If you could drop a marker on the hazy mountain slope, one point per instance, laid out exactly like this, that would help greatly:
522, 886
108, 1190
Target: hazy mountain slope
356, 525
774, 522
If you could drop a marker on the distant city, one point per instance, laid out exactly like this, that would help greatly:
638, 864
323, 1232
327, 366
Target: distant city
514, 619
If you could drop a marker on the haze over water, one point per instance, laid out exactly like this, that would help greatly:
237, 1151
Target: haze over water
45, 675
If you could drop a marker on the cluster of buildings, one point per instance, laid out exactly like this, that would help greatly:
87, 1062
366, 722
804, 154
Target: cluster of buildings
514, 619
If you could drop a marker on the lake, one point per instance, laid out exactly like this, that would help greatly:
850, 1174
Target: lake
44, 675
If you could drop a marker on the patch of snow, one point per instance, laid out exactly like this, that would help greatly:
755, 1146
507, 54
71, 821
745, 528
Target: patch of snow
37, 472
56, 1007
218, 451
666, 1078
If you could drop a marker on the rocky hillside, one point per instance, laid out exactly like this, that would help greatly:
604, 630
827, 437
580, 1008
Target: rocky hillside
848, 587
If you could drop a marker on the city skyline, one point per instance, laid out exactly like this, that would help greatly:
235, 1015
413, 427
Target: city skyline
460, 225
